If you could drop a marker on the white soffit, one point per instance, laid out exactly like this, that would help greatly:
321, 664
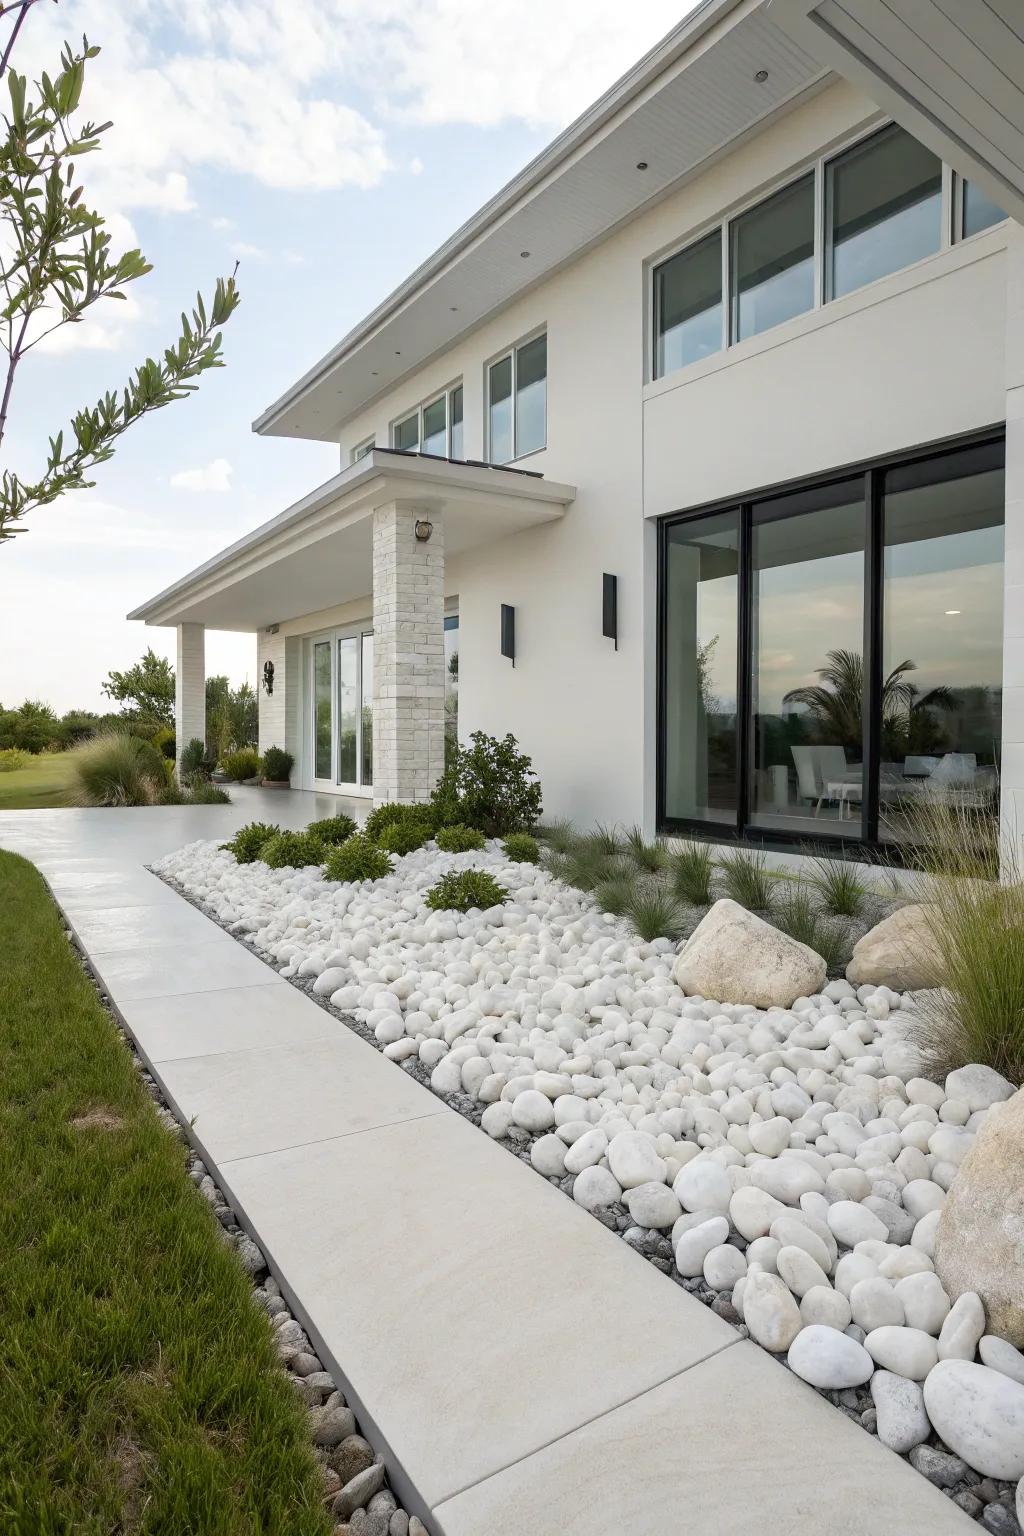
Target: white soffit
951, 71
692, 97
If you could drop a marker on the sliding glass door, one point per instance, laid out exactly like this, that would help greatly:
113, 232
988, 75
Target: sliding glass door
831, 655
340, 716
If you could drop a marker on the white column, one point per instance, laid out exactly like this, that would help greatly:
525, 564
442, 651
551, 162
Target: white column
190, 687
408, 653
1012, 777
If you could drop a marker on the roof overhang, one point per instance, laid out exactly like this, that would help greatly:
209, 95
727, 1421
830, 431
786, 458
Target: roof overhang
690, 100
317, 554
950, 71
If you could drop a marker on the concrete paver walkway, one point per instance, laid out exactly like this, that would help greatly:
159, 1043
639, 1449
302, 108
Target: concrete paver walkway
523, 1369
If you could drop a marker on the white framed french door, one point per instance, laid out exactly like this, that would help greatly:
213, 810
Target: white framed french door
338, 717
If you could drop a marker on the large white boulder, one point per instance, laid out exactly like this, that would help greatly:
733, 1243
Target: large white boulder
734, 956
980, 1415
899, 952
979, 1241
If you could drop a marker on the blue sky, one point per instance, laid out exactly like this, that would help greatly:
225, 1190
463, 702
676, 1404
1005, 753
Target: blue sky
329, 145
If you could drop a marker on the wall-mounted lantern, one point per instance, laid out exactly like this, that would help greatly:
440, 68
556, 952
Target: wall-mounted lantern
268, 677
610, 607
423, 528
508, 632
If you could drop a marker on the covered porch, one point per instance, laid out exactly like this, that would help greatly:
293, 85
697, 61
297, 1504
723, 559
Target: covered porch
346, 592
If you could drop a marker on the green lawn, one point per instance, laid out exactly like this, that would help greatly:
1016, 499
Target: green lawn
46, 781
139, 1390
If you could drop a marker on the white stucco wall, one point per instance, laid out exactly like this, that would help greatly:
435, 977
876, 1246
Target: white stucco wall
916, 357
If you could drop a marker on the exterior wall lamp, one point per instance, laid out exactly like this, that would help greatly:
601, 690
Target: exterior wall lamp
610, 607
508, 632
423, 529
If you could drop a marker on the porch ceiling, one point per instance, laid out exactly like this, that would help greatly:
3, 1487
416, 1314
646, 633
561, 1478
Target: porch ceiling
951, 71
317, 553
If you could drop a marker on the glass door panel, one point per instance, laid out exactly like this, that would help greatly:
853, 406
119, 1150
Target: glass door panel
701, 604
348, 709
322, 712
366, 724
807, 684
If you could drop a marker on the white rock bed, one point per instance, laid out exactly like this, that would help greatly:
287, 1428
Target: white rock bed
793, 1158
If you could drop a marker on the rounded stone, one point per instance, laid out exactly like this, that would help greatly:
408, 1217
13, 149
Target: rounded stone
694, 1246
497, 1120
999, 1355
792, 1232
595, 1187
752, 1212
821, 1304
586, 1150
769, 1311
979, 1413
799, 1270
851, 1224
924, 1301
533, 1111
724, 1267
703, 1184
786, 1178
652, 1205
633, 1159
921, 1196
548, 1156
902, 1420
904, 1351
963, 1328
875, 1304
828, 1359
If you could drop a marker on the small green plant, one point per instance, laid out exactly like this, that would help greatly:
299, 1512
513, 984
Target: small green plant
462, 890
276, 765
521, 848
196, 765
165, 742
840, 888
747, 879
118, 769
489, 785
403, 837
794, 912
647, 856
332, 829
586, 865
248, 840
460, 839
654, 912
241, 765
207, 794
616, 894
607, 839
357, 859
557, 836
393, 812
293, 850
692, 868
13, 758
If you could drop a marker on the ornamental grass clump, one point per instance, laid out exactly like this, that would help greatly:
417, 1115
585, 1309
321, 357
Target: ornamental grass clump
692, 867
357, 859
12, 759
465, 890
292, 850
654, 912
200, 793
616, 894
587, 865
521, 848
795, 913
249, 840
403, 837
840, 889
650, 857
747, 880
241, 765
460, 839
115, 769
332, 829
557, 836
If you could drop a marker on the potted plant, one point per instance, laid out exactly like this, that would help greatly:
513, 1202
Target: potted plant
277, 767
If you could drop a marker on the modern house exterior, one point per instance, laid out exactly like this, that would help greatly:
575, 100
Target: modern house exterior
695, 459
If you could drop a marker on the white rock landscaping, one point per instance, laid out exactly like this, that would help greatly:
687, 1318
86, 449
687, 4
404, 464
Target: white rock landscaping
786, 1162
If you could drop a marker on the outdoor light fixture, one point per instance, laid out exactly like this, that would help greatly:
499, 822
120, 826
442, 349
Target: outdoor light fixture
268, 677
761, 76
641, 165
423, 530
610, 607
508, 632
952, 612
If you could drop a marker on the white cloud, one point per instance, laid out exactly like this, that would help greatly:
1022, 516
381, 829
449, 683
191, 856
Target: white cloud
105, 327
415, 166
215, 476
254, 252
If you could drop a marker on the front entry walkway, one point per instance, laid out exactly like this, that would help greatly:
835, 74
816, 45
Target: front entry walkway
521, 1367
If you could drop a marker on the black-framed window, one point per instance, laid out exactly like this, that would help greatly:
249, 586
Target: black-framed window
830, 652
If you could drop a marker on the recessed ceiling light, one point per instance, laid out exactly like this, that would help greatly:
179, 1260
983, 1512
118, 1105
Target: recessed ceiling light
951, 612
641, 165
397, 352
761, 76
374, 374
454, 308
524, 254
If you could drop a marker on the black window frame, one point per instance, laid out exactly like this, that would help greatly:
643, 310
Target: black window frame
873, 472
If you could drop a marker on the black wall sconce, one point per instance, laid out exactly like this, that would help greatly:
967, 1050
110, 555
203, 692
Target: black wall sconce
508, 632
610, 607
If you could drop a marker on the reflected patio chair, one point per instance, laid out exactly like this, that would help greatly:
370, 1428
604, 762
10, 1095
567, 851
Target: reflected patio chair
824, 774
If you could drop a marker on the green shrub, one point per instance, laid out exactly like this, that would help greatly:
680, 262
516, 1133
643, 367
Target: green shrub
165, 742
839, 887
794, 912
460, 839
654, 912
647, 856
692, 868
747, 880
559, 836
393, 812
118, 769
276, 764
489, 785
207, 794
403, 836
332, 829
293, 850
461, 890
196, 765
248, 840
13, 758
241, 765
521, 847
357, 859
616, 894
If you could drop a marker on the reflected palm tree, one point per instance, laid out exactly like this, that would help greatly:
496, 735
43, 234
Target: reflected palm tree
837, 702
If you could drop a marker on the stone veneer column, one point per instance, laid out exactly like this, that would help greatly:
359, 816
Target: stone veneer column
408, 654
190, 687
1012, 775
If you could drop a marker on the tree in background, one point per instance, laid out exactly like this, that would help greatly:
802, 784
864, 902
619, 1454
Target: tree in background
34, 727
145, 692
55, 263
232, 717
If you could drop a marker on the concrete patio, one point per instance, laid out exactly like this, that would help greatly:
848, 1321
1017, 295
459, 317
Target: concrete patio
521, 1367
